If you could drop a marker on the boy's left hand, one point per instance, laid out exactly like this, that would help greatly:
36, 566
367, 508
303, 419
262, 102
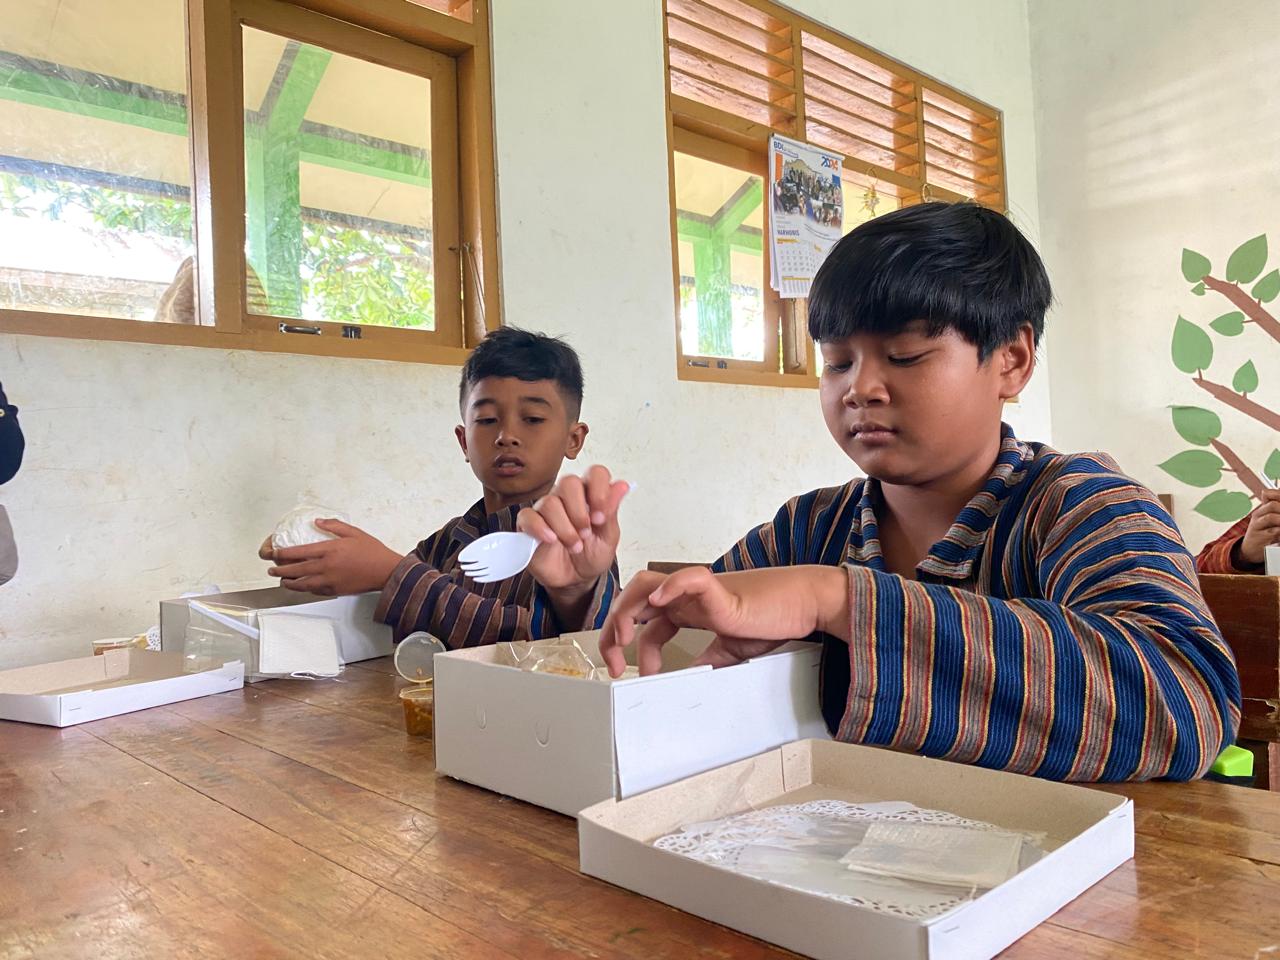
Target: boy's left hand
354, 563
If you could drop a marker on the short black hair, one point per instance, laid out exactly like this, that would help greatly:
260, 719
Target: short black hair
954, 265
527, 356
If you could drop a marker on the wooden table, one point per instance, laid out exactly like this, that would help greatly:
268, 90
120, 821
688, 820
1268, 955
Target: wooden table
296, 819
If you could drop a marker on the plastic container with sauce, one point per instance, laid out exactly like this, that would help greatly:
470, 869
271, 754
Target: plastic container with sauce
414, 660
419, 703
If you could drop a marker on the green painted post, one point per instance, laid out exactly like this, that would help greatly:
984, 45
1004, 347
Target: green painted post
712, 280
713, 245
255, 197
272, 180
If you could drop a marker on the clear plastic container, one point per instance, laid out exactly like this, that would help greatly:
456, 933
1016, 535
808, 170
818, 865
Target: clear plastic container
208, 644
119, 643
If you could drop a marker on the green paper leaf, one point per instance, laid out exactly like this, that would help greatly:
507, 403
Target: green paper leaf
1268, 288
1272, 467
1225, 506
1198, 289
1192, 348
1197, 425
1247, 262
1195, 266
1229, 324
1199, 468
1246, 379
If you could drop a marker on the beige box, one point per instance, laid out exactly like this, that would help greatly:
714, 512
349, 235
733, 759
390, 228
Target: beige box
68, 692
360, 637
1090, 833
565, 743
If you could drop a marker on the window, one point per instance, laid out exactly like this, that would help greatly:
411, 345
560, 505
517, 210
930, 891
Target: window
95, 170
720, 230
250, 173
740, 70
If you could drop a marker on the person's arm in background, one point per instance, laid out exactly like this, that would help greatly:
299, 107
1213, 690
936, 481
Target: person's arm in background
12, 443
1242, 548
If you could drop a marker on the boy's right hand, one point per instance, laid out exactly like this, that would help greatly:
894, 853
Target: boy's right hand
577, 524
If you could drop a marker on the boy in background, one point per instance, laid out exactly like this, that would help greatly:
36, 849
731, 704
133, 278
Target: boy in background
520, 398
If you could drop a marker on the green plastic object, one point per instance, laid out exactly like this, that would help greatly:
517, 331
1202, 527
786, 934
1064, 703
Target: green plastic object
1233, 762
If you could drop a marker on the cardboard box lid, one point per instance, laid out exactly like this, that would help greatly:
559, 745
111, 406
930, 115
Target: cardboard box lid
111, 683
1090, 833
110, 668
809, 769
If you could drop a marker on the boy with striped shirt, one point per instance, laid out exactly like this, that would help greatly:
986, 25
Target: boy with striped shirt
980, 598
520, 398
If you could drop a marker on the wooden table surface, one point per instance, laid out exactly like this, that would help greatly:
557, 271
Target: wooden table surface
296, 819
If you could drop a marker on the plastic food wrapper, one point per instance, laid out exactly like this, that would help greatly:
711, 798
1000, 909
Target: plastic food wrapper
947, 853
891, 857
563, 657
217, 634
298, 527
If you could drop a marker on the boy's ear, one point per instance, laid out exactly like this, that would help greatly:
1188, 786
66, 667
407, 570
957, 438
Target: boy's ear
1017, 360
460, 432
577, 437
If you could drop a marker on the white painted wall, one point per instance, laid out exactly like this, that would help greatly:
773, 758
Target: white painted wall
152, 469
1158, 124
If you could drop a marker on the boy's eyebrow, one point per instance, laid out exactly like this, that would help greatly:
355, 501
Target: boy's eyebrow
487, 400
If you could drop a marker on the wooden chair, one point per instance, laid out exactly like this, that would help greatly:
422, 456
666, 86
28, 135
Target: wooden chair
1247, 609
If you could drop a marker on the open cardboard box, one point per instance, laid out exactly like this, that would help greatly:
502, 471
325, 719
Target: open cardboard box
360, 637
1090, 833
68, 692
565, 743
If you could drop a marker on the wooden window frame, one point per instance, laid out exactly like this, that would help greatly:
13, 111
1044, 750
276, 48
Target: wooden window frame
453, 51
703, 130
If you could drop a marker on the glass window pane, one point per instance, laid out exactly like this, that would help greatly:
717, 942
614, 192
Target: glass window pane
720, 229
338, 186
95, 175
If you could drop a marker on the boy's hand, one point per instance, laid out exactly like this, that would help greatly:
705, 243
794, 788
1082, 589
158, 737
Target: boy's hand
577, 523
354, 563
751, 612
1263, 530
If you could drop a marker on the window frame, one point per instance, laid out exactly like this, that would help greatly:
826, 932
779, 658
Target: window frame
747, 161
714, 129
397, 34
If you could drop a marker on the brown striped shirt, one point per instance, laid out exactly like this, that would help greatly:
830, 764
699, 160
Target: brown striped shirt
428, 591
